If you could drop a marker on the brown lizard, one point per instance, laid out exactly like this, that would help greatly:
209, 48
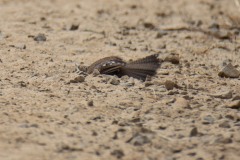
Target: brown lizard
139, 69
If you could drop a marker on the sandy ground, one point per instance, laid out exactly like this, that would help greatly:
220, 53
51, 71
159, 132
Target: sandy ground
185, 112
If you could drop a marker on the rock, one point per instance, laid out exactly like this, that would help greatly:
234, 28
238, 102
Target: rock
78, 79
170, 84
114, 81
95, 73
148, 83
234, 104
161, 33
223, 95
163, 72
148, 25
117, 153
20, 46
139, 140
229, 71
74, 27
173, 58
225, 124
225, 63
237, 97
181, 103
90, 103
207, 119
194, 132
223, 139
40, 37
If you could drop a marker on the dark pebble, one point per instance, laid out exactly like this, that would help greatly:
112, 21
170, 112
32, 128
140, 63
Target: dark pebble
40, 37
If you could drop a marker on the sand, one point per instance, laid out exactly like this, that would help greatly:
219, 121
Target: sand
186, 111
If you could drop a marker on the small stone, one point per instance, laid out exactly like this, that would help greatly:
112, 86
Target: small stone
229, 71
114, 81
81, 68
208, 119
173, 58
139, 140
225, 62
95, 72
169, 84
78, 79
223, 95
194, 132
148, 83
40, 37
148, 25
74, 27
181, 103
223, 139
161, 33
117, 153
163, 72
234, 104
90, 103
237, 97
225, 124
20, 46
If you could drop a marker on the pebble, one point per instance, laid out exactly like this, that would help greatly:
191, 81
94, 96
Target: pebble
40, 37
194, 132
181, 103
223, 139
117, 153
163, 72
225, 124
74, 27
223, 95
114, 81
139, 140
169, 84
78, 79
207, 119
237, 97
148, 25
173, 58
234, 104
128, 83
20, 46
161, 33
95, 73
229, 71
148, 83
90, 103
